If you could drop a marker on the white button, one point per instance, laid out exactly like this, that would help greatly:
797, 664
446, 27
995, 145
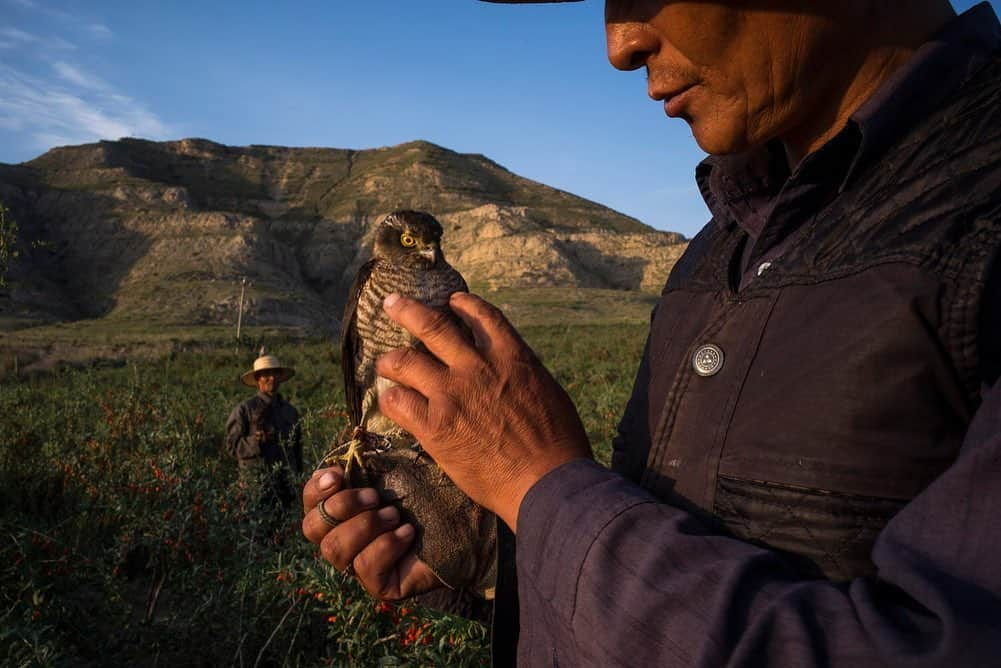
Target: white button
763, 267
708, 360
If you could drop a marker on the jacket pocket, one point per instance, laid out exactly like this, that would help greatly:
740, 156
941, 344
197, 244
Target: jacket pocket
823, 533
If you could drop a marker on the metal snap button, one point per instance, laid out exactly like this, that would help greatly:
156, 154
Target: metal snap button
708, 360
763, 267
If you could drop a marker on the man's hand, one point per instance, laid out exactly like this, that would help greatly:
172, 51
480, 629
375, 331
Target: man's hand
368, 538
486, 410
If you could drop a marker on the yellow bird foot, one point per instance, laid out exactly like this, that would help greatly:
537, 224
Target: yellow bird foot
352, 457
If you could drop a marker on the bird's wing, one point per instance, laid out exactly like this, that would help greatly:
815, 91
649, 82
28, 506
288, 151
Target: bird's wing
351, 343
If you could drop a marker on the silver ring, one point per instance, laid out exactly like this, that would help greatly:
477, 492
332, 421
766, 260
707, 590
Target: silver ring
325, 516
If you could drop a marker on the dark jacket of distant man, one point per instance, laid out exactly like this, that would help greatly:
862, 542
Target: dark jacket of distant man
262, 433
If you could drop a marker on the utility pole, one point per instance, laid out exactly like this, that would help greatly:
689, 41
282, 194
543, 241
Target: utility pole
239, 315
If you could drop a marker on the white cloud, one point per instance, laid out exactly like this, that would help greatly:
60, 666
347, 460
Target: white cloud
48, 98
79, 78
76, 108
16, 35
57, 13
22, 38
94, 29
51, 141
99, 30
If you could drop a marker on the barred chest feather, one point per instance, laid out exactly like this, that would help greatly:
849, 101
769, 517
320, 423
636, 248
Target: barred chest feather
376, 331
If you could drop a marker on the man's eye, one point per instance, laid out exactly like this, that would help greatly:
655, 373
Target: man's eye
407, 240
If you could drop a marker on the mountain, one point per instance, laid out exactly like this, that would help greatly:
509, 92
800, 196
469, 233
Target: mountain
163, 232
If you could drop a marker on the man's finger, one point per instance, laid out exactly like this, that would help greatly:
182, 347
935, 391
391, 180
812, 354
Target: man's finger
323, 483
437, 330
407, 408
383, 565
413, 368
491, 330
341, 545
340, 507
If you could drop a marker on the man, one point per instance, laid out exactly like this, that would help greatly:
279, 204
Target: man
809, 469
263, 433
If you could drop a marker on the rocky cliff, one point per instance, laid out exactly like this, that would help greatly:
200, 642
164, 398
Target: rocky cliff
164, 231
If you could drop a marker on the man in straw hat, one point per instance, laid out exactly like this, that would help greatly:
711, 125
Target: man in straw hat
808, 472
263, 432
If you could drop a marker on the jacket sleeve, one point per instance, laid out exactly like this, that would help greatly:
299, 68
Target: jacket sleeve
625, 579
239, 441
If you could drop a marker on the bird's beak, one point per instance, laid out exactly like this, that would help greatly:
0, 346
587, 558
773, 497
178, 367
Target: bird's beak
431, 253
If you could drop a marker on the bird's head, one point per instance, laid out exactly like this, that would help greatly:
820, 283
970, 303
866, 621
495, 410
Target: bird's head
410, 238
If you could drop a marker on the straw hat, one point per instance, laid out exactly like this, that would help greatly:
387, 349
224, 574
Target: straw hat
263, 363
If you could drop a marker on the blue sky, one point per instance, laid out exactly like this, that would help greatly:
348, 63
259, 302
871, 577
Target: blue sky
528, 86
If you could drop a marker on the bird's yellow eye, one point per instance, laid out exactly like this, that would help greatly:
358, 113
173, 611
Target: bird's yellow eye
407, 240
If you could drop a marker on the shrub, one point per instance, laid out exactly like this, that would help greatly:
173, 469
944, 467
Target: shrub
127, 539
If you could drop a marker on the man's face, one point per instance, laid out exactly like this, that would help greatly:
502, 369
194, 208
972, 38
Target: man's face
740, 72
267, 381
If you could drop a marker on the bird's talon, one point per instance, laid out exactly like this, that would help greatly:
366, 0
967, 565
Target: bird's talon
352, 457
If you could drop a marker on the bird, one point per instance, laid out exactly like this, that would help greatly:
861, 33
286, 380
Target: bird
406, 259
455, 538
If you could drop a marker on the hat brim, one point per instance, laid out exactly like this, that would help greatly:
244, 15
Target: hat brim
284, 373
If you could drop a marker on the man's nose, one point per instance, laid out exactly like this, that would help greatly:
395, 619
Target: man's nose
630, 43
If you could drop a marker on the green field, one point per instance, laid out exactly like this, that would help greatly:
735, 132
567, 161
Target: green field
125, 538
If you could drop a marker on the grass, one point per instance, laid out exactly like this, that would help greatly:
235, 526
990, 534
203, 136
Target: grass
126, 538
573, 306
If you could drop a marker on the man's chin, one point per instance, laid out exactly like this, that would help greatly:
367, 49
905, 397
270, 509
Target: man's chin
715, 139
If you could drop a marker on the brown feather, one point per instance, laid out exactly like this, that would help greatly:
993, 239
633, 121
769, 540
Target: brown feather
367, 331
350, 344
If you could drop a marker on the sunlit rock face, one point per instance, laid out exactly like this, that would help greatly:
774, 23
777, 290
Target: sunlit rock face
166, 231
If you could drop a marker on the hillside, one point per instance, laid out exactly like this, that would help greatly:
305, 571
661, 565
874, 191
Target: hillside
163, 232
